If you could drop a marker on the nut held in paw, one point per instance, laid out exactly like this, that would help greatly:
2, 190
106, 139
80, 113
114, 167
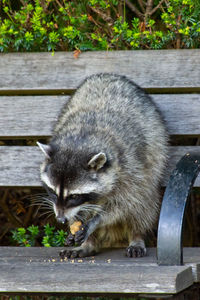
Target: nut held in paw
75, 227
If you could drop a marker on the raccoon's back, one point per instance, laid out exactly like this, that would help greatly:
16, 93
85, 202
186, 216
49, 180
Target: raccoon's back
114, 103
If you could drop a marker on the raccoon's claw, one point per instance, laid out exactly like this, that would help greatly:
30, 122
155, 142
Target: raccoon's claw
78, 238
69, 254
70, 240
80, 235
75, 253
62, 254
135, 251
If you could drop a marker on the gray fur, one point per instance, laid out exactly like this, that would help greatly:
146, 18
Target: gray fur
113, 125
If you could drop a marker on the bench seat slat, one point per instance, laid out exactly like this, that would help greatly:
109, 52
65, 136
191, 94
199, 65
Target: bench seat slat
150, 69
26, 116
108, 272
20, 165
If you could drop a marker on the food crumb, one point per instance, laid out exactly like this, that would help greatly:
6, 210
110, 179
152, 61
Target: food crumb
80, 260
75, 227
53, 260
72, 261
65, 259
92, 261
109, 261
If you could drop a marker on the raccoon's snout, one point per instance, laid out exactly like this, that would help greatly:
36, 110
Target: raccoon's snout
61, 219
60, 216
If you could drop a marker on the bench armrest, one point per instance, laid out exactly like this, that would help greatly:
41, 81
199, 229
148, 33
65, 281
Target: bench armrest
169, 244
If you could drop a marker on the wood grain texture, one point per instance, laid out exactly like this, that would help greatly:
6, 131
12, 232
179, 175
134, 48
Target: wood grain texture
191, 257
150, 69
29, 116
109, 272
20, 165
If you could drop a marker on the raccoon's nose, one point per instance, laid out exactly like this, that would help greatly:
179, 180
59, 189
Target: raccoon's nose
61, 220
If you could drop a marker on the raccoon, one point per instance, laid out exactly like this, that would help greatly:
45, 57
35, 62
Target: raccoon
104, 163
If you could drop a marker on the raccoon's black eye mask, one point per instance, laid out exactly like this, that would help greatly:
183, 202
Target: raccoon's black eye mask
78, 199
71, 200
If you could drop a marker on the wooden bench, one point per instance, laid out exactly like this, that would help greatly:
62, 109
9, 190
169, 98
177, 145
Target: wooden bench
33, 88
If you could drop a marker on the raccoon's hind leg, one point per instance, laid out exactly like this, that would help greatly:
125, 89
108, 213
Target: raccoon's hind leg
136, 248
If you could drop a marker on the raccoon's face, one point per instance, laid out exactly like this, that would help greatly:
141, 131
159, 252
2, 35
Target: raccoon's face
75, 181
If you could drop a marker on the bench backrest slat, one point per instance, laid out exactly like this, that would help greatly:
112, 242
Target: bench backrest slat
169, 69
26, 116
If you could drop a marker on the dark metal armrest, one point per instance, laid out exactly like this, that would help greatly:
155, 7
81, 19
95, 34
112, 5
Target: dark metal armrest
169, 244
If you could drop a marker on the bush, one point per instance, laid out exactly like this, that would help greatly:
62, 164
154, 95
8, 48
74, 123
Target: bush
49, 25
30, 237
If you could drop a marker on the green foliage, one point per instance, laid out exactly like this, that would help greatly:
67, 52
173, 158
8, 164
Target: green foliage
25, 237
48, 25
28, 237
182, 19
53, 238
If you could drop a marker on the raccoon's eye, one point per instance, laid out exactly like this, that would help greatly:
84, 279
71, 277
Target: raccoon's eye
74, 196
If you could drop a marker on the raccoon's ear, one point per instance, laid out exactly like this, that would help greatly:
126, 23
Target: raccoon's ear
46, 149
97, 161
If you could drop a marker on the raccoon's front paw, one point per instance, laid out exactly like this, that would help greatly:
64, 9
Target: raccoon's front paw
81, 235
76, 252
70, 253
70, 240
77, 238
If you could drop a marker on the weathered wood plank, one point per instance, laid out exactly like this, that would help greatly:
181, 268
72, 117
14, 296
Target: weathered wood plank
150, 69
109, 272
191, 257
181, 112
59, 278
26, 116
20, 165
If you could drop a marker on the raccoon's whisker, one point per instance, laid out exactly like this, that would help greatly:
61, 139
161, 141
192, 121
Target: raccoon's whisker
91, 207
42, 201
48, 217
45, 213
41, 204
47, 198
44, 195
46, 208
35, 204
38, 196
